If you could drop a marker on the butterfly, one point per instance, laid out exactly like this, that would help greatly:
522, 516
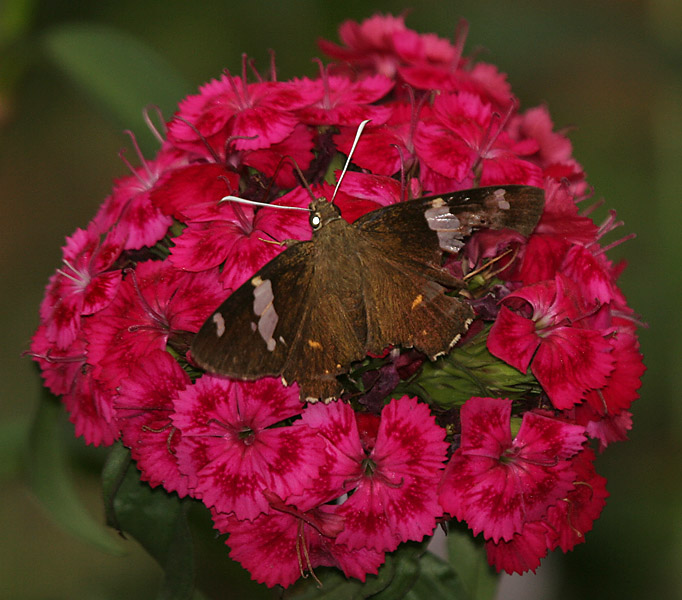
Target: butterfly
356, 289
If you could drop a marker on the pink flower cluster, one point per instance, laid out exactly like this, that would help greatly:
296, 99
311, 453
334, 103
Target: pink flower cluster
297, 486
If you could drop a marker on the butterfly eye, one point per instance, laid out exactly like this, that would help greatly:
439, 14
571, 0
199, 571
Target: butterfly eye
315, 221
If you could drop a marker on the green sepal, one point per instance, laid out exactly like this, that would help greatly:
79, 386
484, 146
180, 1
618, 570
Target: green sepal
469, 370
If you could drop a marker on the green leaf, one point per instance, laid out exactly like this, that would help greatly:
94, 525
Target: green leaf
437, 581
404, 563
155, 518
51, 480
13, 436
469, 561
215, 570
334, 586
16, 48
113, 473
469, 370
395, 576
403, 575
16, 17
119, 72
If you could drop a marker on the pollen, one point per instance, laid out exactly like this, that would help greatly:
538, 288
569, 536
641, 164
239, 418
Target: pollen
417, 301
314, 344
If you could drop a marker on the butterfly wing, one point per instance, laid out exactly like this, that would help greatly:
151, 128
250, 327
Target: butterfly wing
323, 304
300, 317
407, 305
425, 227
401, 247
246, 337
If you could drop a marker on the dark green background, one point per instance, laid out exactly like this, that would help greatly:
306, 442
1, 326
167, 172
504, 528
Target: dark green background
609, 70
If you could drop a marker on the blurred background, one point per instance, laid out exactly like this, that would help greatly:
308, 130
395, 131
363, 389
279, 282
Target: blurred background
610, 71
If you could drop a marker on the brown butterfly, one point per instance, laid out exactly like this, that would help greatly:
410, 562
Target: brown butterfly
355, 289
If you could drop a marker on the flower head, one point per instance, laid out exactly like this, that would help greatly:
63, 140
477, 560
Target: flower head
495, 434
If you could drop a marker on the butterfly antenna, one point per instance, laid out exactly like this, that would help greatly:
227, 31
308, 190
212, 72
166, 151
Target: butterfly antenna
350, 155
300, 174
254, 203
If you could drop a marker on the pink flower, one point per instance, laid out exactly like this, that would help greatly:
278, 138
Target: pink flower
67, 374
241, 239
231, 447
568, 359
560, 228
554, 148
128, 211
372, 44
565, 525
343, 101
156, 305
393, 482
287, 543
253, 116
86, 283
144, 408
497, 484
464, 133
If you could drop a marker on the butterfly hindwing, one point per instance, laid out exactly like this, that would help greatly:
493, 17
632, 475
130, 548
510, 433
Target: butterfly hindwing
401, 248
407, 303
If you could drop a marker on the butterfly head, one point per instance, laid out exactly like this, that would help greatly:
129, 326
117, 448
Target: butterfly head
322, 212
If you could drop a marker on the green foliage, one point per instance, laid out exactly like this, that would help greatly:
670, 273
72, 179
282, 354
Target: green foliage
52, 482
155, 518
469, 370
119, 72
468, 560
411, 572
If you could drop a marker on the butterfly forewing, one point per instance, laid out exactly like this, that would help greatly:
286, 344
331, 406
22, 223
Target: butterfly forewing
243, 337
301, 316
453, 217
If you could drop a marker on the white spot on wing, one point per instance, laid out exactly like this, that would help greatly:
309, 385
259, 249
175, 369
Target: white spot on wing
264, 308
262, 296
219, 324
266, 326
447, 226
502, 202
